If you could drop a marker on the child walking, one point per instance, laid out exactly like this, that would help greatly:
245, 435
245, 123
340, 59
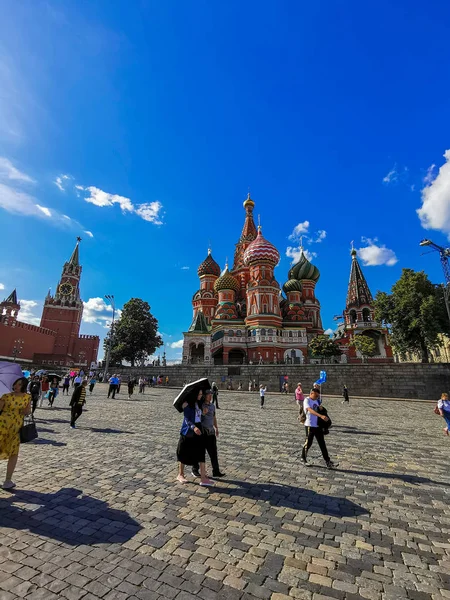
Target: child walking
444, 410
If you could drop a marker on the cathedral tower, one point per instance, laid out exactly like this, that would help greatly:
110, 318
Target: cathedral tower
9, 309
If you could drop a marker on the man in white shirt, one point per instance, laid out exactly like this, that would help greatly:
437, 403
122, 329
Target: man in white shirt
262, 393
311, 407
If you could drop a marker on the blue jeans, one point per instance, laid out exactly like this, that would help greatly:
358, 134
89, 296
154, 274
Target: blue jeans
447, 417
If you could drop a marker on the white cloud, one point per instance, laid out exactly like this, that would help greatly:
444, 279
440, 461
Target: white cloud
299, 230
2, 286
320, 236
89, 233
27, 314
435, 210
178, 344
374, 255
61, 180
185, 268
150, 212
9, 171
47, 212
100, 198
392, 176
328, 331
429, 177
295, 253
96, 310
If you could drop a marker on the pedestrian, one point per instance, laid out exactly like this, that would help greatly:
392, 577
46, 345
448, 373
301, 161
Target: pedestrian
167, 380
77, 381
113, 383
262, 394
141, 385
299, 396
92, 382
345, 394
53, 392
66, 384
119, 383
45, 386
211, 433
444, 410
35, 391
250, 386
131, 383
312, 429
191, 445
13, 407
215, 394
239, 386
77, 402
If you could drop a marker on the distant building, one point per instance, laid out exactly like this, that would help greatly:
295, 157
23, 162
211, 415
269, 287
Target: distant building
240, 315
359, 319
57, 341
439, 353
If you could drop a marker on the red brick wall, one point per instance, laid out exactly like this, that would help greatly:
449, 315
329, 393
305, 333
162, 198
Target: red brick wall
35, 339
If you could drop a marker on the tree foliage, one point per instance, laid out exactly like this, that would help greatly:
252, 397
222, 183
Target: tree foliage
135, 333
415, 313
365, 345
322, 346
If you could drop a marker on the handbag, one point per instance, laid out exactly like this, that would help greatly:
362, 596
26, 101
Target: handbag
436, 410
28, 431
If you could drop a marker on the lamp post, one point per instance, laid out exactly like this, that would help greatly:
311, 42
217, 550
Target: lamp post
17, 348
444, 254
110, 297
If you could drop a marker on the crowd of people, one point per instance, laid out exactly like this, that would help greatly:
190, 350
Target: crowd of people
199, 431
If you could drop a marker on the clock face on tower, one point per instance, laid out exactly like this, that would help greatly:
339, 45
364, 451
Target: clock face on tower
66, 288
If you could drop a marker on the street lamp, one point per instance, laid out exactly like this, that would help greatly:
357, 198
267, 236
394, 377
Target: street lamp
17, 348
444, 254
110, 297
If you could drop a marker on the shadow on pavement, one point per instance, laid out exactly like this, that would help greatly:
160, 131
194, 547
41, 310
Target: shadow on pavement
43, 442
68, 516
107, 430
288, 496
402, 476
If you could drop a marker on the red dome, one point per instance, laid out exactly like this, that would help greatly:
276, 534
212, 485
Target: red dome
260, 250
208, 266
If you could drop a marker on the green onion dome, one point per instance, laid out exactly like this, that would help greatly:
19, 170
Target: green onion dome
304, 270
226, 282
208, 266
292, 286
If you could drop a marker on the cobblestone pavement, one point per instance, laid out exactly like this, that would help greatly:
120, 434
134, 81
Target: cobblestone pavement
97, 513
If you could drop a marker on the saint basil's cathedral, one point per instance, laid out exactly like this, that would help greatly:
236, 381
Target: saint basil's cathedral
241, 315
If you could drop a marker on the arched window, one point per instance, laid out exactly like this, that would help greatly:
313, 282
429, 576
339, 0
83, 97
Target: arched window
290, 334
352, 316
238, 333
270, 332
231, 333
263, 332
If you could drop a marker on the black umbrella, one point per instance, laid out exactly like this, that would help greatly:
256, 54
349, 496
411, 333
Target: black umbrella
53, 376
189, 390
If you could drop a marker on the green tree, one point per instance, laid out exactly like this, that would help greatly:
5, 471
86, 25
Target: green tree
415, 313
322, 346
135, 333
365, 344
114, 358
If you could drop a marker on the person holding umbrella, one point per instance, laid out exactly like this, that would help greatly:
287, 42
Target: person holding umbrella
14, 405
191, 445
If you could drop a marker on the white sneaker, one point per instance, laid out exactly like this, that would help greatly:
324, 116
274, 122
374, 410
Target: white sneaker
8, 485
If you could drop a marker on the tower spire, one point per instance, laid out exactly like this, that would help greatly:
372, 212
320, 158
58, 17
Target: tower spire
358, 293
12, 298
75, 258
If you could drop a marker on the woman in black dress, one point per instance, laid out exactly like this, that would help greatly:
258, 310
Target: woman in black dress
191, 446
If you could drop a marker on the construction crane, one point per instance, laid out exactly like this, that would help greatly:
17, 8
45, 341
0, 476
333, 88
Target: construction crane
444, 254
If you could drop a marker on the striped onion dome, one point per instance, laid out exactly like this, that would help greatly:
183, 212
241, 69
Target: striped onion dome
208, 266
292, 286
260, 250
226, 282
304, 270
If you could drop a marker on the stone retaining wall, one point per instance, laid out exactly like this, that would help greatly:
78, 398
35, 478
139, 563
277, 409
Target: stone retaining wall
397, 380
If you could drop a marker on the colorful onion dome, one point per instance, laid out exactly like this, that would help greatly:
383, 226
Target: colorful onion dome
304, 270
260, 250
227, 282
208, 266
292, 286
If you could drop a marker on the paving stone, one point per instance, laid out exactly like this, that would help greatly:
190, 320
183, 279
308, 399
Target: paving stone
124, 528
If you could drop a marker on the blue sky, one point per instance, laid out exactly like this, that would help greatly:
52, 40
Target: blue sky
165, 113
